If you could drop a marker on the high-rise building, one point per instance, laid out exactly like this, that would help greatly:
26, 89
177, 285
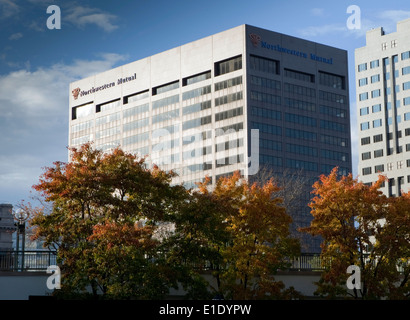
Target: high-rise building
242, 99
383, 104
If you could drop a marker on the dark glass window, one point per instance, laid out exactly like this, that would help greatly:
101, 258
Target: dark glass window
228, 65
264, 64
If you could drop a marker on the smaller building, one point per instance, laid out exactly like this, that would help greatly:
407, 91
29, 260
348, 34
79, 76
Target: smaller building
383, 108
7, 227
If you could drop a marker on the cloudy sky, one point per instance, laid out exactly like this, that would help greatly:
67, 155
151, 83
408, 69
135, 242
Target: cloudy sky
37, 64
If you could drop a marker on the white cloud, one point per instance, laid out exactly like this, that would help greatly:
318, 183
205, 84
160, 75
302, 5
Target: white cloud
34, 120
82, 16
8, 8
317, 12
16, 36
388, 19
314, 31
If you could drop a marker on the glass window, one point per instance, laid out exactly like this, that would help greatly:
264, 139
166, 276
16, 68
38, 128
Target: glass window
406, 101
331, 125
266, 113
335, 112
228, 114
378, 138
301, 149
196, 92
376, 93
374, 64
406, 85
375, 78
228, 83
302, 120
333, 97
377, 123
364, 111
332, 80
197, 107
82, 111
165, 116
166, 101
379, 168
267, 128
333, 155
108, 118
366, 155
264, 97
136, 96
298, 104
362, 82
298, 75
376, 108
264, 64
296, 89
299, 164
166, 87
229, 65
367, 171
405, 55
332, 140
405, 70
82, 126
300, 134
378, 153
197, 78
363, 96
136, 110
365, 141
362, 67
136, 124
228, 98
196, 122
407, 116
364, 126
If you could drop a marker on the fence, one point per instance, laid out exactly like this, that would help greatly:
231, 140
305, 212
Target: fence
33, 260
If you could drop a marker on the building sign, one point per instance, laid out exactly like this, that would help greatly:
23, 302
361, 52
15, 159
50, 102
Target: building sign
78, 92
256, 40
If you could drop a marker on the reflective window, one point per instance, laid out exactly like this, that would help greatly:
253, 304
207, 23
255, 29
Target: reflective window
264, 64
229, 65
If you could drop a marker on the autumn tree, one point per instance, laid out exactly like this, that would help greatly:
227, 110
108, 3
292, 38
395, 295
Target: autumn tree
107, 210
258, 240
360, 226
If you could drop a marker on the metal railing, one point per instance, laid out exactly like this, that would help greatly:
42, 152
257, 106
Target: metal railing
31, 260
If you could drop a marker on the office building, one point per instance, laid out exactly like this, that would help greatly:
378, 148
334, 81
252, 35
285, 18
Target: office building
242, 99
383, 106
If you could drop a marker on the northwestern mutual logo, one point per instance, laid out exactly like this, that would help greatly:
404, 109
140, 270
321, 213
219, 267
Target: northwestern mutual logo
256, 39
75, 93
78, 93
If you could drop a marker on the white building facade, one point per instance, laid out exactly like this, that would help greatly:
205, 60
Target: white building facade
383, 106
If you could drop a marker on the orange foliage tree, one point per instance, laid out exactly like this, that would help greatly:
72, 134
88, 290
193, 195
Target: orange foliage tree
360, 226
258, 241
106, 217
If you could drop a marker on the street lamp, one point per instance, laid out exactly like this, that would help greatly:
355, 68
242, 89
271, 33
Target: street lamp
21, 217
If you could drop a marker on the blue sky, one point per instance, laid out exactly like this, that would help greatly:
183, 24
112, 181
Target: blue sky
37, 64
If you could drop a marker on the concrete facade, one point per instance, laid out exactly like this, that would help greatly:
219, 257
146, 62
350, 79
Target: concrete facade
383, 107
241, 99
